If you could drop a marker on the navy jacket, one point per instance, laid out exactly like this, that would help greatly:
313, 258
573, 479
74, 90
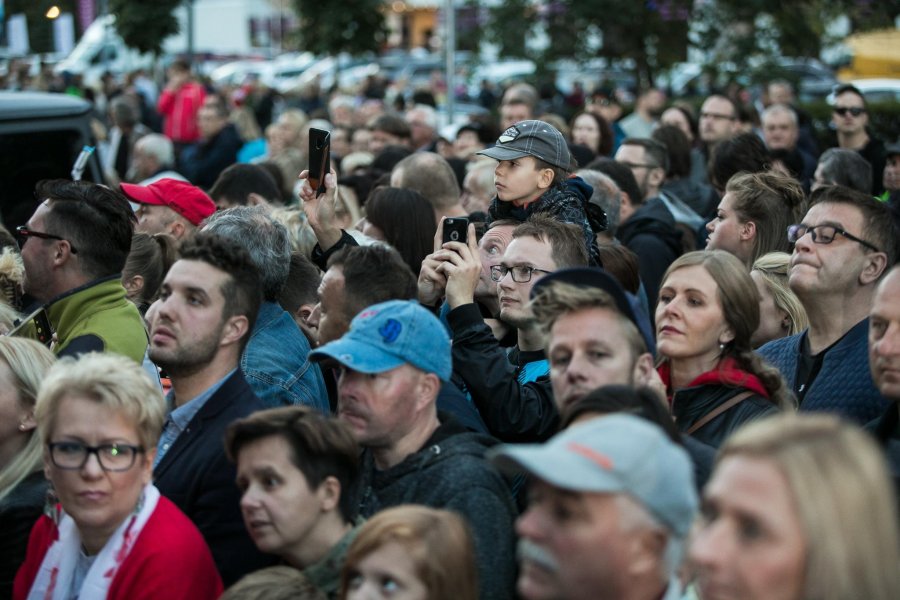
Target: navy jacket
844, 383
199, 479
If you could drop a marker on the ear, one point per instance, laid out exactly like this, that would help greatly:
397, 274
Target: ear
428, 388
785, 320
727, 335
134, 285
254, 199
177, 229
329, 493
28, 423
63, 253
649, 546
147, 468
236, 327
545, 178
876, 263
643, 369
748, 230
656, 176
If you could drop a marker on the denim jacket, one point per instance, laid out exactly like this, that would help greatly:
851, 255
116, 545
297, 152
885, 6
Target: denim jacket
276, 362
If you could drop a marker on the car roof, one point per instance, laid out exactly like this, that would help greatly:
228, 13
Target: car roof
30, 105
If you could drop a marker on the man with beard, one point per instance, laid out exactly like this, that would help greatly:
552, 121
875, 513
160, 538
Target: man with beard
198, 328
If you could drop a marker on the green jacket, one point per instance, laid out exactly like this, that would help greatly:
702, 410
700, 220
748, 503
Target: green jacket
326, 574
97, 317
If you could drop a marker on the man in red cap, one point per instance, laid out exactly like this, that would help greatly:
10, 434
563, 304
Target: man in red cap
169, 206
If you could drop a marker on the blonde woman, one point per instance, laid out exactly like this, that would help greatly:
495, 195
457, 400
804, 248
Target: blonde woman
23, 364
780, 311
799, 507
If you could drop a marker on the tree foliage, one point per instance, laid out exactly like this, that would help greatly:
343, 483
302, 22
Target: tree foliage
332, 27
654, 34
145, 25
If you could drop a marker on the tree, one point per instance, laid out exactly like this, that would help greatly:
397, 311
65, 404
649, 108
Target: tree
652, 33
333, 27
145, 25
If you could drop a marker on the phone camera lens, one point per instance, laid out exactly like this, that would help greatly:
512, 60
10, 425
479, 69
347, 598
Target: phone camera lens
454, 235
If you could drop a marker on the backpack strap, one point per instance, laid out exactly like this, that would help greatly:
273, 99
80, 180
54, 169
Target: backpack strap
718, 411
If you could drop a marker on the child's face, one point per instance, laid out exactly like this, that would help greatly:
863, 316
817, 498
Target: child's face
520, 180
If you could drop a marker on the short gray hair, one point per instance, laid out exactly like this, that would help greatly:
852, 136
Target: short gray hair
633, 516
781, 109
158, 146
607, 196
265, 238
847, 168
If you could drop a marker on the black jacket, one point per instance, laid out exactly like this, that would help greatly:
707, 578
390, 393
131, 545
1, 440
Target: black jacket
199, 479
886, 430
689, 405
18, 512
513, 412
450, 472
204, 161
651, 234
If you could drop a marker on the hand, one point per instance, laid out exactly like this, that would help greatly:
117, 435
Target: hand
432, 281
462, 267
320, 209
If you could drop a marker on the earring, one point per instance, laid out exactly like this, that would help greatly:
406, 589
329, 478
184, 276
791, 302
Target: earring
721, 346
22, 427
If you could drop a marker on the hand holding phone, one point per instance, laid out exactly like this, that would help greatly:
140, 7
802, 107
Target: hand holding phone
319, 158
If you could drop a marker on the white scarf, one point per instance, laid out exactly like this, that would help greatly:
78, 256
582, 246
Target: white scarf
54, 578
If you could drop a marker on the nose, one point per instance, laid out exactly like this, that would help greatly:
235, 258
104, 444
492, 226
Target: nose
249, 499
577, 369
711, 226
315, 315
91, 468
528, 525
804, 242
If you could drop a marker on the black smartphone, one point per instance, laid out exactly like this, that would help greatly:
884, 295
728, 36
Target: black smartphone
456, 229
319, 158
41, 323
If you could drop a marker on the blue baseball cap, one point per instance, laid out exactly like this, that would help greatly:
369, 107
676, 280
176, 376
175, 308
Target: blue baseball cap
387, 335
614, 454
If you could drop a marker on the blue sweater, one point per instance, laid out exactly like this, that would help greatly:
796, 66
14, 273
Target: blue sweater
843, 385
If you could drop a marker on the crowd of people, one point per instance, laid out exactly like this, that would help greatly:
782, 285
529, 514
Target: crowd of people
658, 358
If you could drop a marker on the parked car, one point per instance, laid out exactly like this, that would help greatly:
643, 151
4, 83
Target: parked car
41, 135
876, 90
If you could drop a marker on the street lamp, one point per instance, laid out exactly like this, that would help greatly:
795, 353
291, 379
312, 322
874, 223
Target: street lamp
52, 12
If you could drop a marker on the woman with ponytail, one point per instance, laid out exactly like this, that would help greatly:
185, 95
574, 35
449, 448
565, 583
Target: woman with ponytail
707, 312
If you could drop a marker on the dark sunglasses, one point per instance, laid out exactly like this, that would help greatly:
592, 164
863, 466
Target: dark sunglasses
24, 233
853, 110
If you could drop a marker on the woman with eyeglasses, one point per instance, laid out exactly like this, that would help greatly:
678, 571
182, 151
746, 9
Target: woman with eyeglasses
707, 312
110, 534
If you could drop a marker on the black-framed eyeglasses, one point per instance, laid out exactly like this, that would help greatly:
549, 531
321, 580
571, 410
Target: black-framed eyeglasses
853, 110
712, 115
632, 165
72, 456
24, 233
520, 273
823, 234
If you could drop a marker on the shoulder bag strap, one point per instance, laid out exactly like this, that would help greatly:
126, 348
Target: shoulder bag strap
718, 411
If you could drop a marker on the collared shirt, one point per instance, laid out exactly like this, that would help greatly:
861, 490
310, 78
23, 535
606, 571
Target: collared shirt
179, 417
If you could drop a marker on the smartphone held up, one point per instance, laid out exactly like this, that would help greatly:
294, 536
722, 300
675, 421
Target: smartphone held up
319, 158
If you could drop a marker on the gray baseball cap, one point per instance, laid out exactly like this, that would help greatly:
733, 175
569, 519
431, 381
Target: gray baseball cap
615, 454
532, 138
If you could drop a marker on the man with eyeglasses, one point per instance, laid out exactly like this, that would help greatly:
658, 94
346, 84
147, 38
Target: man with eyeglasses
74, 247
648, 223
493, 376
719, 121
849, 118
842, 247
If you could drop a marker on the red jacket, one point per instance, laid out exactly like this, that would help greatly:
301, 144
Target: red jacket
169, 560
180, 111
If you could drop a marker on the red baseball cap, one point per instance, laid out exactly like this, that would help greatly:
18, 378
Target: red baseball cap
187, 200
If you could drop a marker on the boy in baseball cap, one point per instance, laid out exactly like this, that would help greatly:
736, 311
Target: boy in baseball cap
533, 176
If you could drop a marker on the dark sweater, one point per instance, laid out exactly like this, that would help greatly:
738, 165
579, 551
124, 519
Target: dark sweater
844, 383
450, 472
